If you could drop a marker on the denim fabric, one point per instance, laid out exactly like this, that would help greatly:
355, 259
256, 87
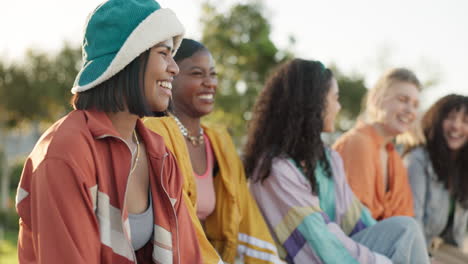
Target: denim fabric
432, 200
398, 238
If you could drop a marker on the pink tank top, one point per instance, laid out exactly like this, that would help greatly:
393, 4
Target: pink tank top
206, 199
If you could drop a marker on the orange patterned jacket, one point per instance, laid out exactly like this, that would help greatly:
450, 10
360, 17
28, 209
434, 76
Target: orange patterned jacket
72, 191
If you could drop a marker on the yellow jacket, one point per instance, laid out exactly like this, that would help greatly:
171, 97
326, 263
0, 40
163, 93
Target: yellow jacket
236, 227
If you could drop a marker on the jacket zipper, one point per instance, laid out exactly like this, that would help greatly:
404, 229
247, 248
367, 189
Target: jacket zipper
125, 195
173, 210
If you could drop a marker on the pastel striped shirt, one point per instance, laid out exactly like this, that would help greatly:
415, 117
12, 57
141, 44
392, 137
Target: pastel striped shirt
310, 228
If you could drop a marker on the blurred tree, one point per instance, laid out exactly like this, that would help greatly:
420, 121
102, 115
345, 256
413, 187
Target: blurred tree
352, 91
39, 88
240, 43
34, 91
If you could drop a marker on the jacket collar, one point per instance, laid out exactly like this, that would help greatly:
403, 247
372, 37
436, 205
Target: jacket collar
101, 126
378, 140
154, 143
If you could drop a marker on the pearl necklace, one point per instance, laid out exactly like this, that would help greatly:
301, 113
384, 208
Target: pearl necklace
195, 140
137, 150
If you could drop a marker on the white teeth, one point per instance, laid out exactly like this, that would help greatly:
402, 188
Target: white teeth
454, 135
206, 96
165, 84
404, 120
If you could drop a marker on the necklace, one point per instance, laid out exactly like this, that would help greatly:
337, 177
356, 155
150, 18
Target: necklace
137, 150
195, 140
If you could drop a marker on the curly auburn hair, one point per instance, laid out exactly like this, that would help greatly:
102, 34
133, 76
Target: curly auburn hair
452, 172
288, 118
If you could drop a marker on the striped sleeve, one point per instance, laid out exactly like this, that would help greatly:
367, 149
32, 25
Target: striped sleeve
57, 223
351, 214
256, 246
298, 223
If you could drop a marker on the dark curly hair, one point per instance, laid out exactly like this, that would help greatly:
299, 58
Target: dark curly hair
288, 119
452, 172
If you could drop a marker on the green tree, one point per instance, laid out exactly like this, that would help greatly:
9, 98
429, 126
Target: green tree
31, 92
352, 91
39, 88
240, 43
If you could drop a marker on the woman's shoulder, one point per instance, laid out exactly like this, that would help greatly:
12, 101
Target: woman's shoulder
159, 124
282, 162
69, 141
418, 153
283, 166
219, 137
285, 173
69, 134
334, 155
354, 140
279, 165
218, 130
418, 157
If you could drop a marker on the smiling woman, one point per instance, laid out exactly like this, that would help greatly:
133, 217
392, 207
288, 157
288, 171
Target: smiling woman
300, 185
224, 212
438, 168
374, 168
119, 94
99, 187
159, 75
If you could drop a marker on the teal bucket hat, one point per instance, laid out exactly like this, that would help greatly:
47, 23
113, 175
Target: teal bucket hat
117, 32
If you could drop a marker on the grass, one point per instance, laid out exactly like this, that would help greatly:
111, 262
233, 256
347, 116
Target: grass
8, 248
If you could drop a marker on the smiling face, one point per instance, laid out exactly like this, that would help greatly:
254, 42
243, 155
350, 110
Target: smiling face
397, 109
195, 86
160, 71
455, 129
332, 107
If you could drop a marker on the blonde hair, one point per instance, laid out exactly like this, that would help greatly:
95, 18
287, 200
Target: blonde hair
373, 98
413, 137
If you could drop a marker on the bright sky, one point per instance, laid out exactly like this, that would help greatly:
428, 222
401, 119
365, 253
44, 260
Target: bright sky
360, 36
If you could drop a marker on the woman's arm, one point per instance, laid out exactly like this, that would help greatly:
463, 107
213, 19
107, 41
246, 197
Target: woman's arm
417, 175
299, 224
256, 243
360, 169
57, 220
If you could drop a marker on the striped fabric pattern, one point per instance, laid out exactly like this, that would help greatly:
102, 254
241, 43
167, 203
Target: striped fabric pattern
113, 234
20, 195
162, 248
258, 249
71, 198
310, 228
111, 229
238, 232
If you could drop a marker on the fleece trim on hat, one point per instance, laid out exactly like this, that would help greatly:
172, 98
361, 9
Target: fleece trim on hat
157, 27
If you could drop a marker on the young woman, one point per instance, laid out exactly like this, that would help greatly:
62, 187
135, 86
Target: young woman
99, 187
215, 182
374, 168
438, 171
300, 185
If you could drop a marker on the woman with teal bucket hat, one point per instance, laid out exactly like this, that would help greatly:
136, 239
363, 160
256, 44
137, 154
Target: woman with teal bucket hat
99, 187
